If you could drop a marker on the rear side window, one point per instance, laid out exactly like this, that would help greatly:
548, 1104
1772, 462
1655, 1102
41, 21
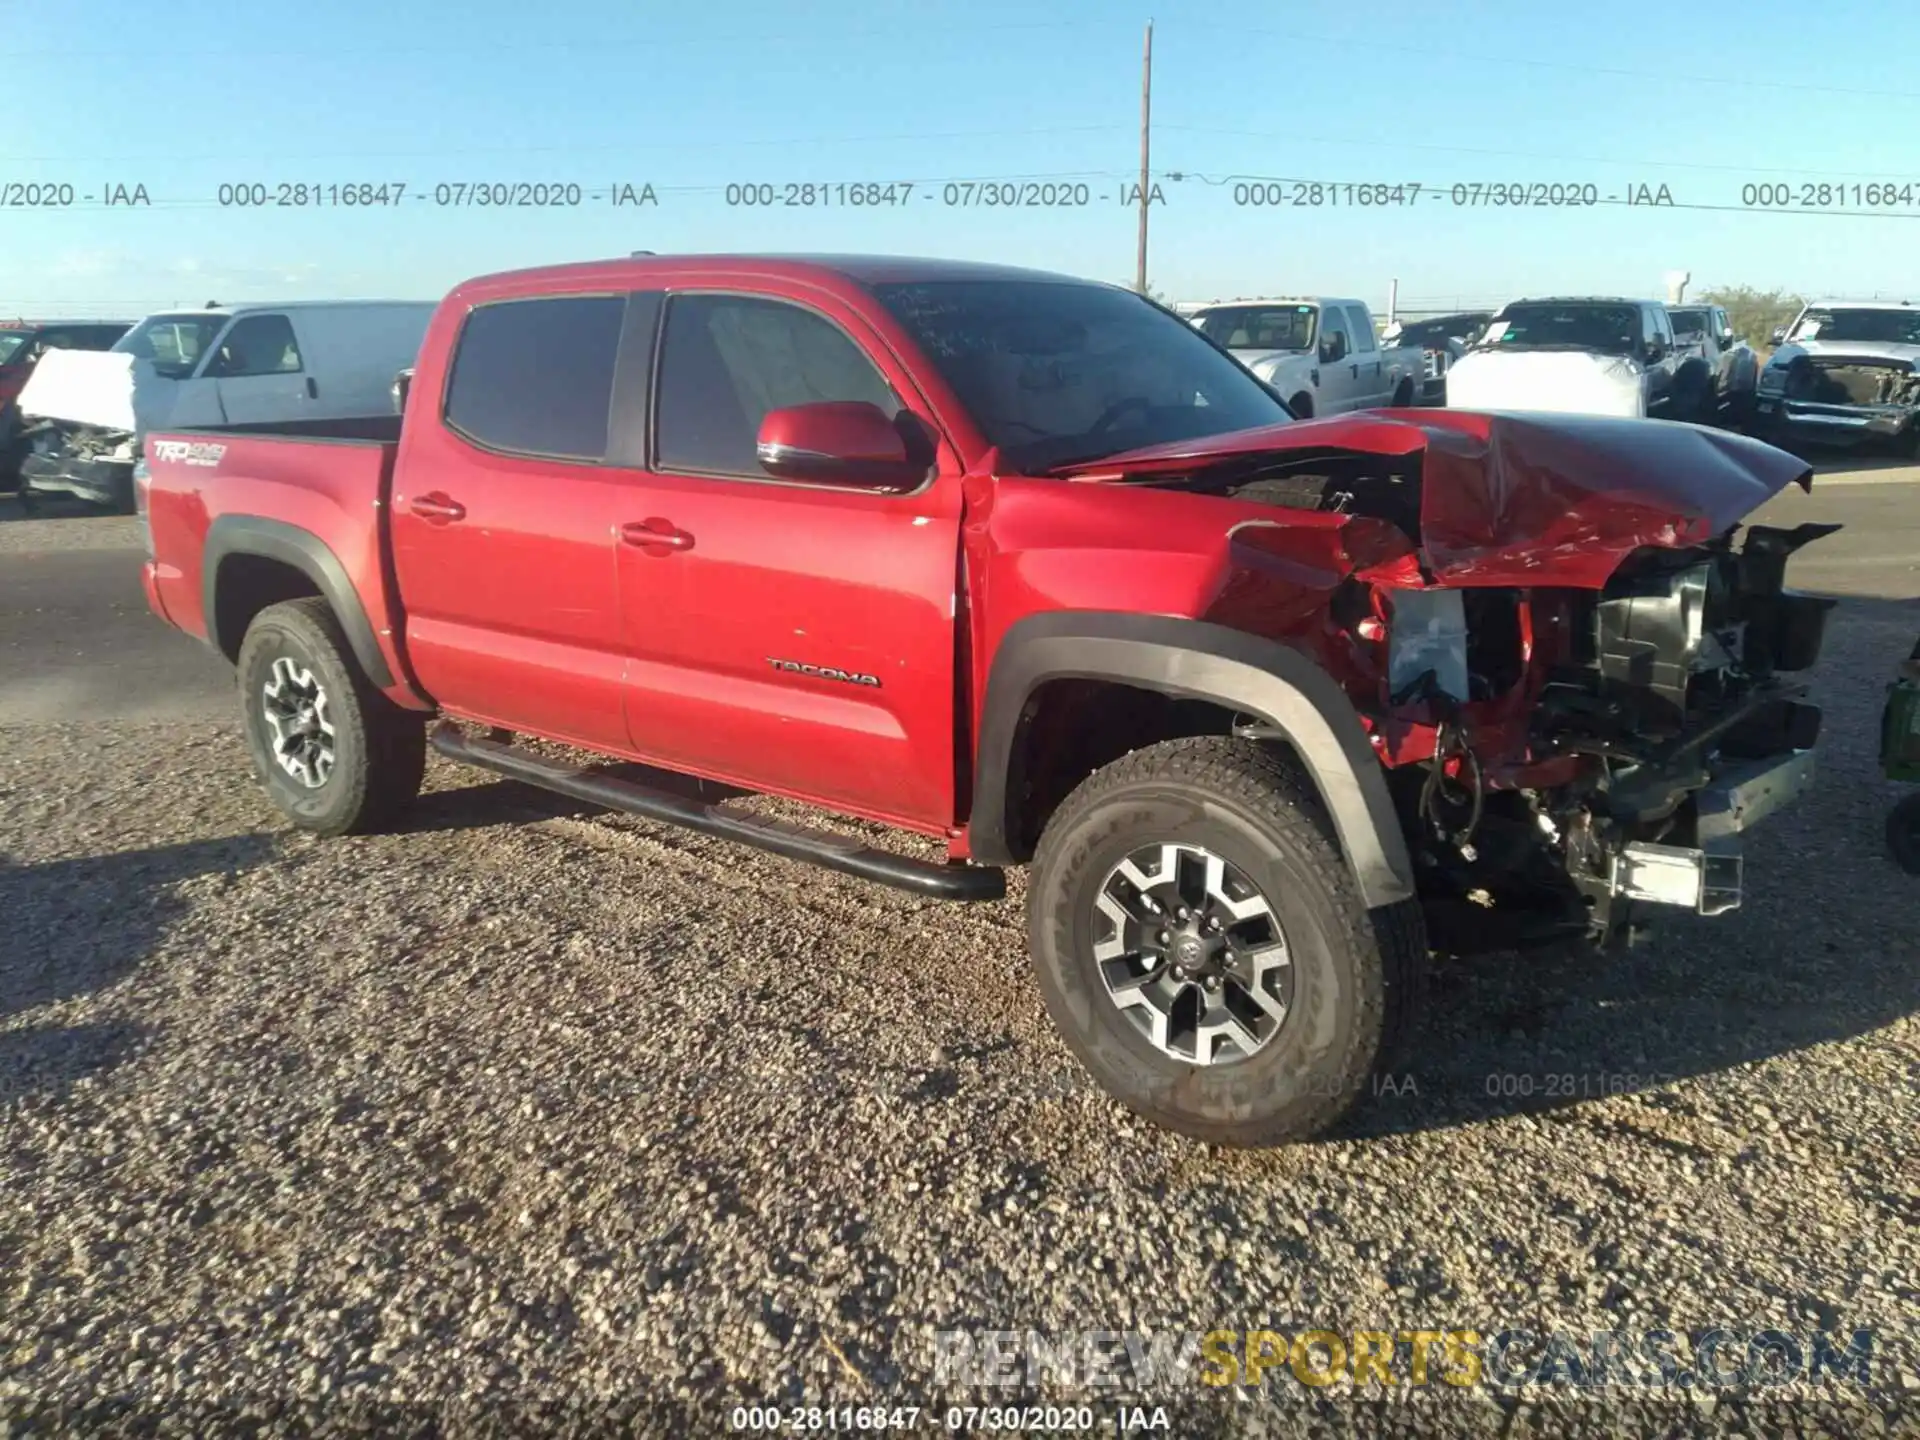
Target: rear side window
1362, 325
728, 359
535, 377
257, 345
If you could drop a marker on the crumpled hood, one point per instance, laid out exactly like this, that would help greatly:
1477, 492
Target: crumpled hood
1848, 350
103, 388
1575, 382
1524, 500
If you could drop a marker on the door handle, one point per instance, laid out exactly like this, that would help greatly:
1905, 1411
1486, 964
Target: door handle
437, 508
655, 535
313, 388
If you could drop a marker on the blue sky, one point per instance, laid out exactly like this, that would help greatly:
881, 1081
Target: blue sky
1705, 99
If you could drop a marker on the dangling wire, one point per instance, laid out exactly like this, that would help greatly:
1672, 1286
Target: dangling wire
1452, 737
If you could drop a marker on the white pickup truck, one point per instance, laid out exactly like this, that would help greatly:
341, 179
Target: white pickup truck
1318, 352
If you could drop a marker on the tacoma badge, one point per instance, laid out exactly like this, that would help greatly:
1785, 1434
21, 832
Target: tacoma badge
825, 672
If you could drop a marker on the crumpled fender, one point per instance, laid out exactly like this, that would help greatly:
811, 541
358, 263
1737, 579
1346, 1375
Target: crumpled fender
1527, 500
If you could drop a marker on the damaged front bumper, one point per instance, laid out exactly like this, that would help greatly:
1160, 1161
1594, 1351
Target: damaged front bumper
1706, 876
1842, 425
98, 482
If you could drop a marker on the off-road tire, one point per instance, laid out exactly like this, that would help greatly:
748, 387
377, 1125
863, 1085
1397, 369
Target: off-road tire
1359, 976
1903, 834
379, 749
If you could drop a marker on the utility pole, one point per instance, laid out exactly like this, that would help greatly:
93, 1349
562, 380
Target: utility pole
1146, 117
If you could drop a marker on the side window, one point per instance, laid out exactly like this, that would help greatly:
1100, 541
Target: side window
257, 345
1333, 323
729, 359
1362, 328
57, 340
535, 377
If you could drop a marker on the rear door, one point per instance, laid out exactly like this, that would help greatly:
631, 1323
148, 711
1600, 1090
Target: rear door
503, 517
762, 577
1369, 371
258, 370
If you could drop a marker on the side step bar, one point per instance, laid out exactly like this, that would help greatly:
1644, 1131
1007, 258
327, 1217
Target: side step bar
948, 881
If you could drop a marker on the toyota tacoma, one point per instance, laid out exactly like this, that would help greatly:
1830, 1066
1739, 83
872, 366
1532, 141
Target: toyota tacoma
1273, 709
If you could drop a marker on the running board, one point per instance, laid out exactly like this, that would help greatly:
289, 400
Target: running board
950, 881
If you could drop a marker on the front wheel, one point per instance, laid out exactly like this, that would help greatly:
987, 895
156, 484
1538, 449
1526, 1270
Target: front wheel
1202, 946
337, 757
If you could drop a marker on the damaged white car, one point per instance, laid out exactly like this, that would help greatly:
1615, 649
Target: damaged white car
1844, 374
84, 415
1583, 356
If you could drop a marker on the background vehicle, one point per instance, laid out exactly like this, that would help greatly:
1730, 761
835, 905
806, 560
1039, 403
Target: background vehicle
22, 343
1441, 340
1843, 374
84, 414
1024, 565
1583, 355
1319, 354
1706, 331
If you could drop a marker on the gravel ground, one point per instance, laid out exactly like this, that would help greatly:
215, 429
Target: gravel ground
536, 1105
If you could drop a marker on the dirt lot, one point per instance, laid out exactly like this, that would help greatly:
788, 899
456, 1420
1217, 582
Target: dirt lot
533, 1105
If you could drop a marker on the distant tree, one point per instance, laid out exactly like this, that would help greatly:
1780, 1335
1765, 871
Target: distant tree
1755, 314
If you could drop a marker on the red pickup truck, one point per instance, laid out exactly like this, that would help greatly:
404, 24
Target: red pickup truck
1274, 709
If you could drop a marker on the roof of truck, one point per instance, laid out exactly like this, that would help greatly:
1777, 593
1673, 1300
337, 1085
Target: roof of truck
1583, 300
861, 269
282, 305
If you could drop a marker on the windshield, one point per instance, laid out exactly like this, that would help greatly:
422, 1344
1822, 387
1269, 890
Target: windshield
12, 342
174, 343
1436, 333
1891, 327
1689, 322
1054, 373
1260, 327
1609, 329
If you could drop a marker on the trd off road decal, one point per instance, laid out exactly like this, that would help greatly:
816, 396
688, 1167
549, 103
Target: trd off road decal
189, 452
825, 672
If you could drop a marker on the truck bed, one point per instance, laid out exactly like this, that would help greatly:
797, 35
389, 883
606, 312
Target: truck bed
316, 490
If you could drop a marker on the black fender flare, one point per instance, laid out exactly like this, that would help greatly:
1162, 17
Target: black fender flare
1196, 659
306, 552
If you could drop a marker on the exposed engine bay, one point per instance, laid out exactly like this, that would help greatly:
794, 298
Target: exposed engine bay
90, 462
1559, 752
1820, 381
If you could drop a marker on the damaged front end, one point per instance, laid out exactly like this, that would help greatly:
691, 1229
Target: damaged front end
1841, 400
88, 462
1579, 671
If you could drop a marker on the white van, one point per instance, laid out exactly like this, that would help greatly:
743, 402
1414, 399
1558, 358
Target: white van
86, 414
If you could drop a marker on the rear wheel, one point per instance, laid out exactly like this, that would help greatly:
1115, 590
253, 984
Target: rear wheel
1203, 949
336, 756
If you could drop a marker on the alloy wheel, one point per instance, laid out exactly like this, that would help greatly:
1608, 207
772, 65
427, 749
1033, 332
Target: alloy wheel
1192, 953
295, 708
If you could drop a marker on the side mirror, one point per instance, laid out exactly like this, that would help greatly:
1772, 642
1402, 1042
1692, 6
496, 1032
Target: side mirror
1779, 336
842, 442
402, 383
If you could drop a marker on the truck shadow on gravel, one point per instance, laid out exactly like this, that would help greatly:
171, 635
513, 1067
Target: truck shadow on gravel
76, 927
